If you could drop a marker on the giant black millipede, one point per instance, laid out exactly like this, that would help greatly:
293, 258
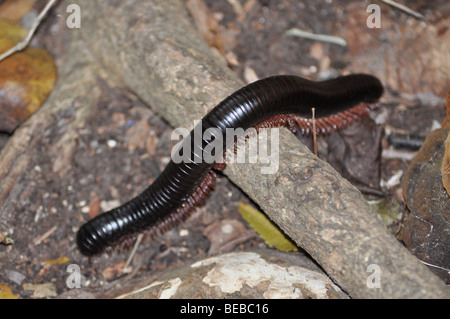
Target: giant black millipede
267, 102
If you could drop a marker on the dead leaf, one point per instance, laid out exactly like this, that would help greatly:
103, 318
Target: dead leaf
137, 134
114, 270
10, 35
14, 10
416, 45
445, 168
355, 153
206, 24
58, 261
151, 143
44, 270
26, 79
94, 206
6, 293
266, 229
46, 290
4, 239
224, 235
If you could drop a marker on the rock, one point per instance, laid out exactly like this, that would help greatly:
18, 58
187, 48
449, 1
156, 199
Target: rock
426, 229
265, 274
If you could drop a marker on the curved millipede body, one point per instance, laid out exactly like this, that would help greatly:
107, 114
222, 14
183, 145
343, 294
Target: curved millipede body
182, 186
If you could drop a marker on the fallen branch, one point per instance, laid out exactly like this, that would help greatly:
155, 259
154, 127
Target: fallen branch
318, 209
295, 32
404, 8
151, 48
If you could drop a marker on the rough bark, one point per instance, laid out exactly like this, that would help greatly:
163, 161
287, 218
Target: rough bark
152, 48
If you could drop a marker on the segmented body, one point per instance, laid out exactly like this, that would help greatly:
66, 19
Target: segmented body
183, 186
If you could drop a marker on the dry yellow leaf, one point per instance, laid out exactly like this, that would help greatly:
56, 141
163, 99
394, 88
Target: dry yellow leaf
58, 261
26, 79
6, 293
272, 236
10, 35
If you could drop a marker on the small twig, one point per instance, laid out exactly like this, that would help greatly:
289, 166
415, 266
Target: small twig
314, 130
24, 43
435, 266
400, 225
398, 154
43, 237
133, 251
404, 8
237, 7
231, 244
318, 37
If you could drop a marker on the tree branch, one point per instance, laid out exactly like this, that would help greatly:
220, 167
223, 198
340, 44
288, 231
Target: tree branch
174, 71
151, 48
